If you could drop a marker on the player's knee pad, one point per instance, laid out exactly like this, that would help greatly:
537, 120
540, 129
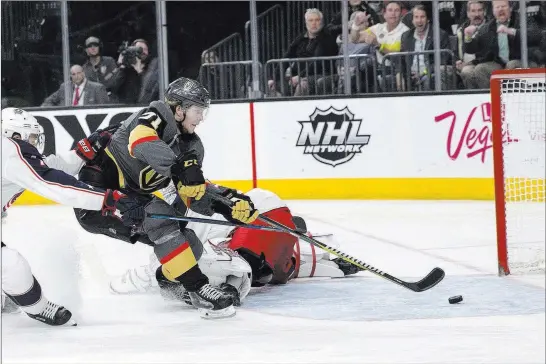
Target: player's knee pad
223, 265
16, 273
159, 230
162, 231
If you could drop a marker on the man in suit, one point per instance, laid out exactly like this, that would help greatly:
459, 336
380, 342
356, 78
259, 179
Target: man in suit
476, 17
497, 44
82, 91
417, 70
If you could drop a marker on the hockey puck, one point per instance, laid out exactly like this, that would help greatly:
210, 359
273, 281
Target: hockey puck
455, 299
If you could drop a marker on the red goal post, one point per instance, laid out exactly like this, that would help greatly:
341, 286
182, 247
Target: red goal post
518, 103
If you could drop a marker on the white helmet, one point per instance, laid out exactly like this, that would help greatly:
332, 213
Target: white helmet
19, 124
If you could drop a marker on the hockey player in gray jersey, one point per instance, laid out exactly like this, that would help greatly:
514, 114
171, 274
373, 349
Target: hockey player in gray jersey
152, 147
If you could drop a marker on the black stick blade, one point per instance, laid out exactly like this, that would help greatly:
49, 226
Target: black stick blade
433, 278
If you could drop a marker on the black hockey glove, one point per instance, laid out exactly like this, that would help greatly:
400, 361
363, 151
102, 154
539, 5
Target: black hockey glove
240, 210
188, 177
123, 207
88, 148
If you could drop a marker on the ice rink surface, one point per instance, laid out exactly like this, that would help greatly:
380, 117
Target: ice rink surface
358, 319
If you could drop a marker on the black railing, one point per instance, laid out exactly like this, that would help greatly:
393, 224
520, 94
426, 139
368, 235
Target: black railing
321, 75
414, 71
229, 49
227, 80
272, 41
324, 76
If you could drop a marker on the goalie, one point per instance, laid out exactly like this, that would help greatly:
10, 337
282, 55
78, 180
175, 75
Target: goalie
237, 258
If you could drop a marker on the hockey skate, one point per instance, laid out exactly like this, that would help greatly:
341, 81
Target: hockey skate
228, 289
212, 302
54, 315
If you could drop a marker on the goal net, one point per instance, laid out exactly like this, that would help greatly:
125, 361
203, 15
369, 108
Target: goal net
518, 103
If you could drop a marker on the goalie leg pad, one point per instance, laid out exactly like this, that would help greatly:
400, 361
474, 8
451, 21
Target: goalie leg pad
314, 262
223, 265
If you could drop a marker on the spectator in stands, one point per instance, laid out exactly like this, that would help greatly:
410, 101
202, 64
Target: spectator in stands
354, 7
137, 81
496, 45
307, 77
99, 68
475, 12
421, 67
386, 37
404, 13
487, 9
82, 91
361, 69
448, 14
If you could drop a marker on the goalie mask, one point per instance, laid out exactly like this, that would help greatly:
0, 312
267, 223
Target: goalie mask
19, 124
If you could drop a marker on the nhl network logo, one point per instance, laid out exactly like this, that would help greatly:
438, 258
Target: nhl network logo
331, 136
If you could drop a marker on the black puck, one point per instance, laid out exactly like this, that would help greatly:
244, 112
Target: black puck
455, 299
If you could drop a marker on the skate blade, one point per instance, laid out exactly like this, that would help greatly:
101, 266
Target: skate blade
217, 314
69, 323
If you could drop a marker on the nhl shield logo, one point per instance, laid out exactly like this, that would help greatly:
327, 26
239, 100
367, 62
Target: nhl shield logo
332, 136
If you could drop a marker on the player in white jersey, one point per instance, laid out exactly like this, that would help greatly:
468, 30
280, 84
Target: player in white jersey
25, 168
242, 258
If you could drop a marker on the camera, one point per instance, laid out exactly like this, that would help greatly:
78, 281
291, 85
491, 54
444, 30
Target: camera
130, 54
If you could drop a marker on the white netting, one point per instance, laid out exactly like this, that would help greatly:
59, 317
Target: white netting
523, 105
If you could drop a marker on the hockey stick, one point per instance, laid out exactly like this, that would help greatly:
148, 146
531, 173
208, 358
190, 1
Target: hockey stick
430, 280
215, 222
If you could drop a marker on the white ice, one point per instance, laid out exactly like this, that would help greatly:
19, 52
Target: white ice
361, 319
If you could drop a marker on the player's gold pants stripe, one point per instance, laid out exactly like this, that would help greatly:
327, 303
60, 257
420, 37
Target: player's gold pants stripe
178, 262
121, 180
141, 134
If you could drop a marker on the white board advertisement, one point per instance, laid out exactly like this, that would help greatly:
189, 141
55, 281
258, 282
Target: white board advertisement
418, 136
